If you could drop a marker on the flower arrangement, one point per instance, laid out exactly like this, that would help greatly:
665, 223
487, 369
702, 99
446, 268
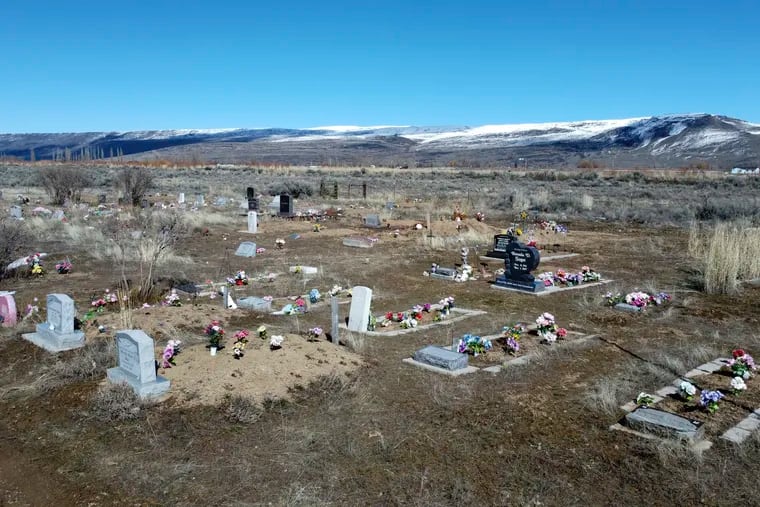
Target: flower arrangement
241, 338
738, 385
64, 267
215, 333
547, 328
314, 333
644, 399
260, 250
687, 390
276, 342
709, 400
171, 350
172, 299
262, 332
470, 344
562, 277
35, 261
314, 296
336, 289
637, 298
280, 243
742, 364
371, 323
240, 278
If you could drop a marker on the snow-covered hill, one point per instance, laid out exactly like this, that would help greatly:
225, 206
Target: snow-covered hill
671, 139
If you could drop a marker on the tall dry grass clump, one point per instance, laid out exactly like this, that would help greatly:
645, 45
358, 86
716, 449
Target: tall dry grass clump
729, 253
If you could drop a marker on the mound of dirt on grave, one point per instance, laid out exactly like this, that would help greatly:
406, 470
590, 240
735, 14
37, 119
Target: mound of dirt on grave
201, 379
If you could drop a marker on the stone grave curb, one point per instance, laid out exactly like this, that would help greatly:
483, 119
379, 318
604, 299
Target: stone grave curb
452, 373
41, 342
543, 259
735, 434
552, 290
467, 314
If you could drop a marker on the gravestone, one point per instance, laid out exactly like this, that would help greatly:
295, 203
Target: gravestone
227, 301
500, 242
334, 320
200, 199
664, 424
144, 203
8, 309
137, 364
221, 201
443, 273
17, 212
373, 221
286, 205
246, 249
102, 198
253, 203
629, 308
253, 222
358, 316
358, 242
58, 215
441, 358
520, 261
57, 334
255, 303
181, 198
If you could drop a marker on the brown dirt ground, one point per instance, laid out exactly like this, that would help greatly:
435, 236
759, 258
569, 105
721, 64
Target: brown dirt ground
389, 434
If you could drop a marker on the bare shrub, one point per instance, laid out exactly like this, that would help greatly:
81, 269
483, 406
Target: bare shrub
241, 409
134, 183
727, 254
62, 183
88, 363
115, 402
13, 235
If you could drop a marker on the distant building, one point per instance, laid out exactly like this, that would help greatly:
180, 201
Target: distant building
739, 170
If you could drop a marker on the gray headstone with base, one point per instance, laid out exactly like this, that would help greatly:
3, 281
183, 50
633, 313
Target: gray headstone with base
628, 308
661, 423
57, 334
16, 212
358, 316
440, 357
246, 249
137, 364
254, 303
373, 221
444, 273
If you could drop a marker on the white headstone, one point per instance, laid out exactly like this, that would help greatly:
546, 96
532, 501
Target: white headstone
16, 212
57, 334
181, 198
137, 364
334, 320
358, 316
253, 222
227, 302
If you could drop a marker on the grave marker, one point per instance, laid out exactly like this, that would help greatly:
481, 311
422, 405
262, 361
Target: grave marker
253, 222
137, 364
255, 303
181, 198
520, 261
441, 358
286, 205
57, 333
17, 212
102, 198
246, 249
373, 221
664, 424
253, 203
500, 242
200, 200
8, 309
358, 316
357, 242
334, 320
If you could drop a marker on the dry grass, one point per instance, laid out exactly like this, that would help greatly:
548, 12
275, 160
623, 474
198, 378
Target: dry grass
241, 409
114, 403
727, 254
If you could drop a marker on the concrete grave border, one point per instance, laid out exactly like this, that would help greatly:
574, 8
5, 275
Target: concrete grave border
466, 314
553, 289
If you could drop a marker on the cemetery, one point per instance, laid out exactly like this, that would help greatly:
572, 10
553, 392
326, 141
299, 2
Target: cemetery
221, 333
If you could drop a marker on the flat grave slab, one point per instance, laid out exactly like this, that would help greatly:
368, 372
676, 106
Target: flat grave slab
553, 289
358, 242
664, 424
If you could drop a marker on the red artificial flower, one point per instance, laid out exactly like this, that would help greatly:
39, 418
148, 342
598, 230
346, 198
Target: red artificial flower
561, 332
389, 316
737, 353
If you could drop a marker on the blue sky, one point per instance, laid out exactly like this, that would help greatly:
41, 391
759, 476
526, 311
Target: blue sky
84, 65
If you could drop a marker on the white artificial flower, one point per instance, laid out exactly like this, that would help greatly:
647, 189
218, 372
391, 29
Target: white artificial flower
688, 388
276, 341
737, 384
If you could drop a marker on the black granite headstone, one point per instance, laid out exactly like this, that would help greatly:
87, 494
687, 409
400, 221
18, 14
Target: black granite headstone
253, 203
286, 205
519, 262
500, 242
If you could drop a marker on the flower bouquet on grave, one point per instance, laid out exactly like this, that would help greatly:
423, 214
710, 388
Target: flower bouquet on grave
546, 277
172, 299
611, 299
276, 342
644, 399
738, 385
409, 322
547, 328
314, 296
687, 390
260, 250
35, 262
637, 298
471, 344
588, 275
238, 347
371, 323
280, 243
709, 400
64, 267
171, 350
215, 334
240, 279
741, 364
262, 332
314, 333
